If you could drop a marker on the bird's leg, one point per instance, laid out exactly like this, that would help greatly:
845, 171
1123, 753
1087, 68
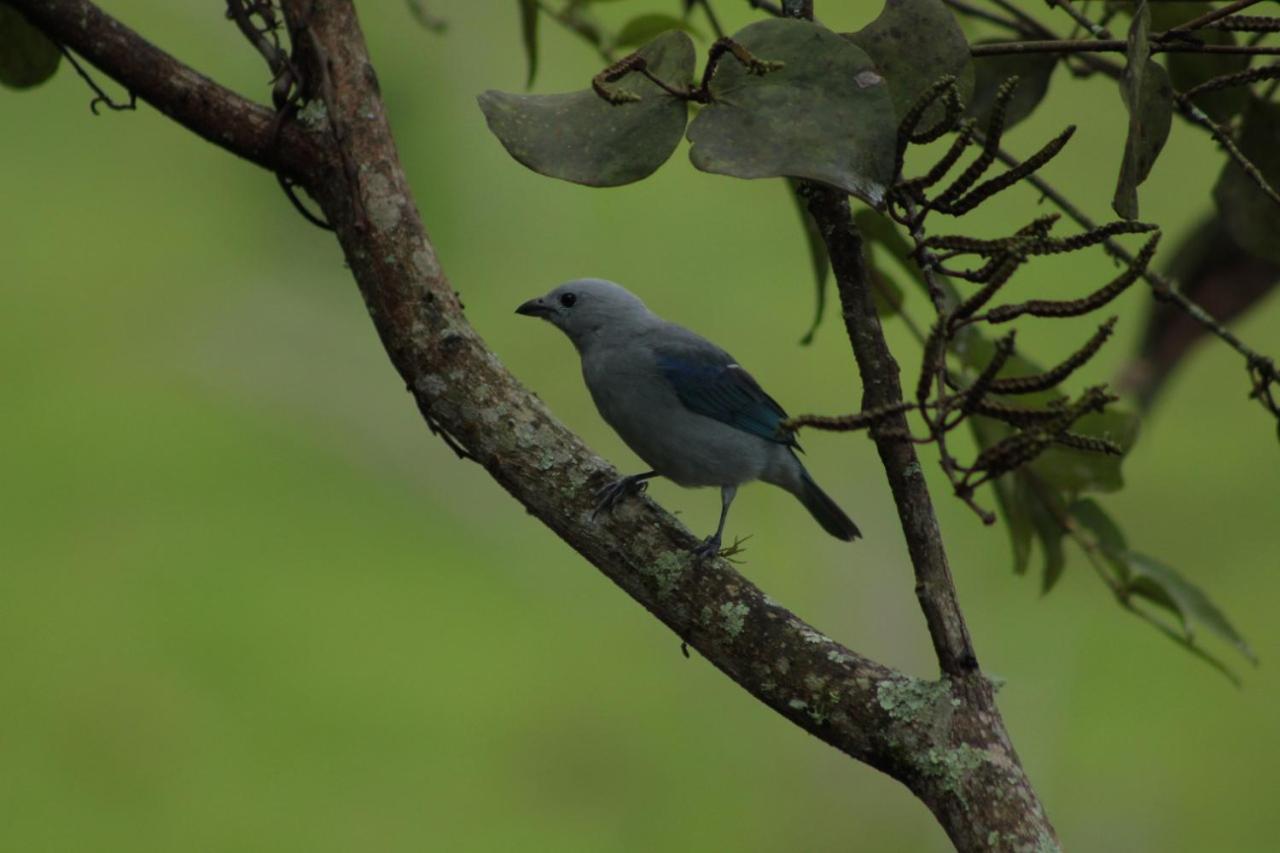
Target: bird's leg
607, 498
711, 545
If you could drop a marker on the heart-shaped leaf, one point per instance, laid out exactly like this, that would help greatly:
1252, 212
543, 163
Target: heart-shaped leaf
826, 115
27, 56
913, 43
582, 138
1033, 71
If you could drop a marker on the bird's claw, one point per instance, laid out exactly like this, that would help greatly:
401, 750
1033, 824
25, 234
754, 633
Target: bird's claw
608, 496
710, 547
713, 547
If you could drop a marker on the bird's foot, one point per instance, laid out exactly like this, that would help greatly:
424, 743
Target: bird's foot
609, 496
710, 547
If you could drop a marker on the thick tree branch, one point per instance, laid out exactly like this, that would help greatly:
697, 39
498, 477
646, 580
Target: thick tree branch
209, 110
1009, 812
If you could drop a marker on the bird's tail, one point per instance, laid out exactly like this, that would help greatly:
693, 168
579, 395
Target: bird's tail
825, 511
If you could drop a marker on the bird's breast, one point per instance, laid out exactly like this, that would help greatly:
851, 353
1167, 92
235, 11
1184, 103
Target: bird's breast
635, 399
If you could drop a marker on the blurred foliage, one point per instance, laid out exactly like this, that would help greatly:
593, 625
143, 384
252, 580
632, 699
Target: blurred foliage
247, 602
27, 56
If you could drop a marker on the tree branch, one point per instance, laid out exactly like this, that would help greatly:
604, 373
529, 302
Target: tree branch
209, 110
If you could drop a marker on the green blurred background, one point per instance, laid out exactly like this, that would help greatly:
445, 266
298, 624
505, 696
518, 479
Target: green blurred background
248, 602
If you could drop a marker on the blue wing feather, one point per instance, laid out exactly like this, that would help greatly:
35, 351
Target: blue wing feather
711, 384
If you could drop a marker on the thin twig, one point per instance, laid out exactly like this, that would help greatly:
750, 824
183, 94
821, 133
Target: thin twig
1162, 287
712, 20
1081, 18
1070, 46
100, 97
1201, 21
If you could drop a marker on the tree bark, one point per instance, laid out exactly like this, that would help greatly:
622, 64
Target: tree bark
943, 739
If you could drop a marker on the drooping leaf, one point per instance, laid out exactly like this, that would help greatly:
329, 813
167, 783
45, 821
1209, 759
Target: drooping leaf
1149, 122
582, 138
1107, 533
1224, 279
885, 242
886, 293
425, 18
826, 115
1013, 507
1045, 508
1155, 582
529, 36
1033, 71
1250, 216
644, 28
27, 56
817, 258
1076, 472
913, 43
882, 235
1148, 96
1189, 69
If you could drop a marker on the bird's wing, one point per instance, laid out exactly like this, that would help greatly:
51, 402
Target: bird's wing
709, 382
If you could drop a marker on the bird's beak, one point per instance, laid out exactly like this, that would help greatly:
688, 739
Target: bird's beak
535, 308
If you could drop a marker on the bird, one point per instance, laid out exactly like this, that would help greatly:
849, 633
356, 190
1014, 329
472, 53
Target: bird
681, 403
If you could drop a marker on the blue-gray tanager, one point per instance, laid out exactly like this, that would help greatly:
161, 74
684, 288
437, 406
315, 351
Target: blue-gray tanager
680, 402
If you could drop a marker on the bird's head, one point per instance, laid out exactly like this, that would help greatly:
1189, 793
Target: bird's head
586, 306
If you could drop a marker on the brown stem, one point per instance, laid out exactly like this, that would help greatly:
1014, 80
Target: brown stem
1208, 18
1067, 46
194, 101
970, 826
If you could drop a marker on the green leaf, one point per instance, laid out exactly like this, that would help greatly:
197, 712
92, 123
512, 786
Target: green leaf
1033, 71
886, 294
1105, 531
428, 21
27, 56
1148, 96
913, 43
529, 35
1110, 540
644, 28
1187, 70
817, 258
1251, 218
582, 138
826, 115
882, 235
1155, 582
1045, 508
883, 239
1015, 511
1076, 471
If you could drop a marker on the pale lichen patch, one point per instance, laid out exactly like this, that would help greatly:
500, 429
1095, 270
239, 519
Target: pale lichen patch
383, 203
733, 616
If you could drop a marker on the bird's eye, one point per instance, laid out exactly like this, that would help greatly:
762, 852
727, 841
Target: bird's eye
567, 300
